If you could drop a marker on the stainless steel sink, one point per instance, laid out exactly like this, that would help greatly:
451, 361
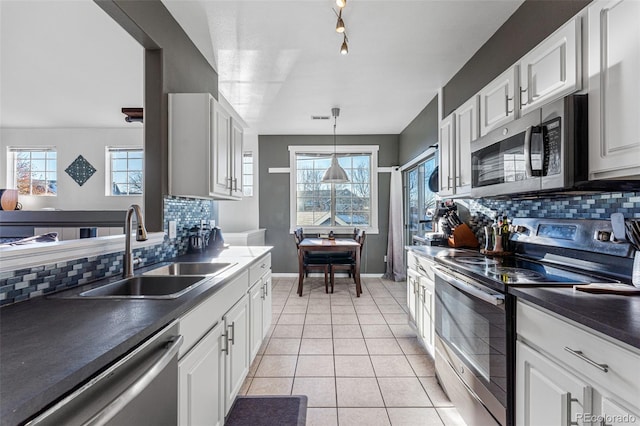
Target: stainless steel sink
193, 268
149, 287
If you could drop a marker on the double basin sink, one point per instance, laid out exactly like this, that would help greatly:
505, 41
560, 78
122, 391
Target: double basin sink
166, 282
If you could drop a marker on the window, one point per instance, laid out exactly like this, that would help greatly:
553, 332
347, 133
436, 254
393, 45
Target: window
247, 174
318, 206
125, 171
34, 170
420, 202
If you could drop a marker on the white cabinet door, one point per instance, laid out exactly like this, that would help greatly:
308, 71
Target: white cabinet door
236, 159
427, 330
201, 381
614, 89
190, 137
466, 124
553, 68
267, 309
446, 150
498, 101
546, 393
412, 292
220, 151
614, 414
237, 362
256, 315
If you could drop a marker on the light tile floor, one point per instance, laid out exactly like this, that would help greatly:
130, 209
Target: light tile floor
357, 359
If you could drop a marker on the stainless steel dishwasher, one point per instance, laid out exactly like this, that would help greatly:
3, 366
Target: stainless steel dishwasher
139, 389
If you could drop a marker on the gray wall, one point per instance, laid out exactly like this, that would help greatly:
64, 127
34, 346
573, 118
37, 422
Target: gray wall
172, 64
274, 197
420, 133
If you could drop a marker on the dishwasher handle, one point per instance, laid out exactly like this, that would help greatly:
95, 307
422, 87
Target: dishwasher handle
118, 403
494, 299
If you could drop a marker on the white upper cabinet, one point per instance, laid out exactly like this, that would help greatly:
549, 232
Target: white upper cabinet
446, 150
498, 101
553, 68
466, 125
614, 89
205, 148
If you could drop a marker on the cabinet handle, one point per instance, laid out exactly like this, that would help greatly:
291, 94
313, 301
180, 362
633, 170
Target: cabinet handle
507, 99
232, 333
422, 269
229, 183
449, 179
266, 288
522, 92
235, 184
567, 401
264, 292
225, 349
579, 354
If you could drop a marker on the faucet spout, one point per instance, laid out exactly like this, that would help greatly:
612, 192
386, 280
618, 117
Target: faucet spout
141, 235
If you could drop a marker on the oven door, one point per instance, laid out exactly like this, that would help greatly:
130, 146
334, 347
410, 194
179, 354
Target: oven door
510, 159
471, 326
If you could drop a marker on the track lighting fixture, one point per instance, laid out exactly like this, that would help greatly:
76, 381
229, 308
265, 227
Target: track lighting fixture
344, 49
340, 23
340, 27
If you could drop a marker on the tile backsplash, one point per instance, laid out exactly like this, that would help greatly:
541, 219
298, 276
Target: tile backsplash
593, 206
22, 284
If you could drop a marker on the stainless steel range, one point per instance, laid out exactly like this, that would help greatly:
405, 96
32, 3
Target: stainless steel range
475, 314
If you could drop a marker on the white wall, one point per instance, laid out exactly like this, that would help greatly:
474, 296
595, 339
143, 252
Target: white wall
69, 143
237, 216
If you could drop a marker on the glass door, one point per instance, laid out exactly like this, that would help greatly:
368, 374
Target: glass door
420, 201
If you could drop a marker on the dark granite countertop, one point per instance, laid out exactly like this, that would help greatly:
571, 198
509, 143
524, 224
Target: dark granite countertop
612, 315
50, 345
430, 252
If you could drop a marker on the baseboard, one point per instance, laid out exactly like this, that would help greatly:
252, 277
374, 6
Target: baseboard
319, 274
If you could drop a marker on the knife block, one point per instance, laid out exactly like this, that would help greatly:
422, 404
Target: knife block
463, 236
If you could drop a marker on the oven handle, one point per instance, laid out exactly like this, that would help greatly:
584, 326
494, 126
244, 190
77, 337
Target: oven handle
494, 299
527, 152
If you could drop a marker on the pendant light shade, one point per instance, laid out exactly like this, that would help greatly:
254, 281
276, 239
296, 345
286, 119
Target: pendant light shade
340, 25
335, 173
344, 49
341, 3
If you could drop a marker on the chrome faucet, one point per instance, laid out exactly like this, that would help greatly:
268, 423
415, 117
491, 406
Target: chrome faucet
141, 235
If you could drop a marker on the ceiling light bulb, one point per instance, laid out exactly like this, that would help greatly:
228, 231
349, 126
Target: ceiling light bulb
344, 49
341, 3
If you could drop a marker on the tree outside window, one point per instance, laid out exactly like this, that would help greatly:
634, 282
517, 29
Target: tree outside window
126, 171
35, 171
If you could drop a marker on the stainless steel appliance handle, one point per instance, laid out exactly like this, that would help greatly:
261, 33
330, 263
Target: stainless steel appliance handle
527, 152
579, 354
494, 299
122, 400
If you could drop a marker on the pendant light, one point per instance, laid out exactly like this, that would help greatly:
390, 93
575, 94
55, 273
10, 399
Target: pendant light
340, 23
344, 49
335, 173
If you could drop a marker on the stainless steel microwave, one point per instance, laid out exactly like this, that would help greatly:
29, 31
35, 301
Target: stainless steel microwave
544, 150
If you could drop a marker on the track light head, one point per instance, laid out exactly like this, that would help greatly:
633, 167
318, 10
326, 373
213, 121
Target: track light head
344, 49
341, 3
340, 24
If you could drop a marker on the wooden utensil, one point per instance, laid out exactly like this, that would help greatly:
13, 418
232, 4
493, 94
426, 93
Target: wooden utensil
8, 199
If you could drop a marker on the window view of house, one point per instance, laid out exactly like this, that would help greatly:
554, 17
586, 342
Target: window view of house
126, 171
326, 204
34, 170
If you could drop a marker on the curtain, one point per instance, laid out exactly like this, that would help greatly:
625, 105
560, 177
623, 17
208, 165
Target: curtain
395, 245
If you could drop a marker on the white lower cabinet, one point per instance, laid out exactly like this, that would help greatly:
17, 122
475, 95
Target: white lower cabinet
218, 349
421, 298
568, 375
201, 381
237, 360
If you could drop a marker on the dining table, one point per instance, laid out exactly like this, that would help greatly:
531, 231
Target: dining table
336, 245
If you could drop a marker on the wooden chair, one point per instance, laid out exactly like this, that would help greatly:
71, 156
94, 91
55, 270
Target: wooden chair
312, 261
347, 263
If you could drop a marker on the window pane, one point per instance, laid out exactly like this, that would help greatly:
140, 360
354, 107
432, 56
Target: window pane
135, 164
40, 155
120, 177
136, 154
119, 165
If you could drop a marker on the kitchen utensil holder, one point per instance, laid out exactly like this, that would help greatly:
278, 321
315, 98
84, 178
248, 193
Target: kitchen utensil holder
463, 236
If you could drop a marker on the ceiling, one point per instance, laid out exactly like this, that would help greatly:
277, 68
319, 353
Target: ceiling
279, 62
68, 64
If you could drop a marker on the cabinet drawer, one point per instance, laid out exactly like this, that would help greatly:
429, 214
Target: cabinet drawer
259, 268
552, 334
420, 265
198, 321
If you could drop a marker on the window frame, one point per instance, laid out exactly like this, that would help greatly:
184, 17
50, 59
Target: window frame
12, 181
249, 154
108, 180
372, 150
